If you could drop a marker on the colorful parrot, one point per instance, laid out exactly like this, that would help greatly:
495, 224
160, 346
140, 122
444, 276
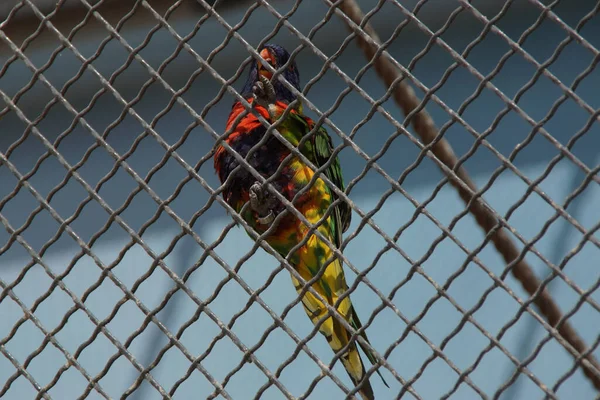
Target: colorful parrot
270, 100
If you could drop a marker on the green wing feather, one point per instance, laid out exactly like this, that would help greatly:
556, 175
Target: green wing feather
323, 148
319, 149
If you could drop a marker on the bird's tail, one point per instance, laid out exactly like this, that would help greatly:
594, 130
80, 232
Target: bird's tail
331, 286
353, 364
356, 324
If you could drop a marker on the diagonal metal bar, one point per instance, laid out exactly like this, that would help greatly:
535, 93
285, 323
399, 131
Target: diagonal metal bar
425, 127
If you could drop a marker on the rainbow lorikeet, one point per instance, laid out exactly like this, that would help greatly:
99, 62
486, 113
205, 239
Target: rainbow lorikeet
270, 100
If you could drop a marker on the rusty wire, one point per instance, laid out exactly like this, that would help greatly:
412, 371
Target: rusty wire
434, 147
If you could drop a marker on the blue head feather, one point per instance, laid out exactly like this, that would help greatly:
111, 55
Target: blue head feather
291, 74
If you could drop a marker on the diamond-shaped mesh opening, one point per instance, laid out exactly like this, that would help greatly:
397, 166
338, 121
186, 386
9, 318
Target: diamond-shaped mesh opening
127, 271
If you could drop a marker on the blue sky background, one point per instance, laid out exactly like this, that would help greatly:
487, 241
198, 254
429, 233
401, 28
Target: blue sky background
416, 241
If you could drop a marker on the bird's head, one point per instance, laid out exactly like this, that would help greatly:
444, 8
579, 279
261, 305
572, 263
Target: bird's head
277, 57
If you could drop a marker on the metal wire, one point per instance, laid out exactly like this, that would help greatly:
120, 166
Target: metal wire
197, 362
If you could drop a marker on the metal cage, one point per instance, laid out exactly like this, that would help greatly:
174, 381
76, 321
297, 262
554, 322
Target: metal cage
473, 252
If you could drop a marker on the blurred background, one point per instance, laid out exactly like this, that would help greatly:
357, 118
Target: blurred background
134, 268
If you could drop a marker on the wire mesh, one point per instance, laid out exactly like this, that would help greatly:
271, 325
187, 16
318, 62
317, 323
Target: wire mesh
462, 371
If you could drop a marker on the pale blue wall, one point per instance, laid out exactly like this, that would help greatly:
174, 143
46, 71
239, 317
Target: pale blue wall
447, 258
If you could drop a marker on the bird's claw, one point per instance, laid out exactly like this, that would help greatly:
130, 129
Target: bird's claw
261, 201
263, 91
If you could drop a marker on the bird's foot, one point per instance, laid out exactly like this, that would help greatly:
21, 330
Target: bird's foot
263, 92
262, 201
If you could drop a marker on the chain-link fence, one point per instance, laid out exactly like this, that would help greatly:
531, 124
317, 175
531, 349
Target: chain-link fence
124, 272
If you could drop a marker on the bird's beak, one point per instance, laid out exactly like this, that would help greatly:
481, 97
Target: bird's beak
268, 57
